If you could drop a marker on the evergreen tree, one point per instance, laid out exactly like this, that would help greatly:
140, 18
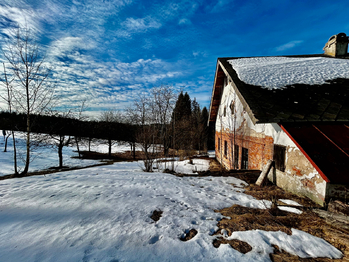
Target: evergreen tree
195, 125
181, 118
189, 124
186, 106
204, 130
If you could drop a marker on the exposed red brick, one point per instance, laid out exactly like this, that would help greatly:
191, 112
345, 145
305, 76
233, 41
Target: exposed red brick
260, 150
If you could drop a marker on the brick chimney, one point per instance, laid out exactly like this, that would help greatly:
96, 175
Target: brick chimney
337, 45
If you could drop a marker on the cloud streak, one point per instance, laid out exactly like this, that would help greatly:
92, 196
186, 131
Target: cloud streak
288, 45
103, 84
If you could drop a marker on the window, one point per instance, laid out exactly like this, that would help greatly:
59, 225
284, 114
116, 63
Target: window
225, 111
279, 157
225, 83
235, 154
219, 144
232, 107
225, 148
244, 158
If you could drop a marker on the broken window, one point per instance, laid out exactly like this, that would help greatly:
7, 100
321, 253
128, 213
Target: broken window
232, 107
225, 83
244, 158
279, 157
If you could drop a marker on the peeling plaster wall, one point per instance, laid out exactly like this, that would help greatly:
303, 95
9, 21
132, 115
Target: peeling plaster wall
300, 177
236, 127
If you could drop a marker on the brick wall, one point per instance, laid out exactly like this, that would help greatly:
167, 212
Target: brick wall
260, 149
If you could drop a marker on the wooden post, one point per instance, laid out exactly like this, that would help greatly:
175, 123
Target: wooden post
264, 173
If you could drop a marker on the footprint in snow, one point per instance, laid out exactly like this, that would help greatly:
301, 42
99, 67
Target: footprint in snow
154, 239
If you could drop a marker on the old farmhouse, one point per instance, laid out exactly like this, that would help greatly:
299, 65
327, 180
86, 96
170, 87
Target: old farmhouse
291, 109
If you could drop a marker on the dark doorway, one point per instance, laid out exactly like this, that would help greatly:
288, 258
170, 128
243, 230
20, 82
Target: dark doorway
235, 156
279, 157
225, 148
244, 158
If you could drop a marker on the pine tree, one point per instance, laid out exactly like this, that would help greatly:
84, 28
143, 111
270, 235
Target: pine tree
196, 125
204, 129
180, 123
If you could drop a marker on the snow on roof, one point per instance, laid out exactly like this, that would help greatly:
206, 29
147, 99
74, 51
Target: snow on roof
278, 72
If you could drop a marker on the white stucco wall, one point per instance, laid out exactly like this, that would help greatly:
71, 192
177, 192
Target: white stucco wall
230, 121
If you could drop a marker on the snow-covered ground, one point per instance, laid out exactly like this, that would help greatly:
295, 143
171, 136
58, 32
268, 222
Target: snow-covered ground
46, 156
42, 157
103, 214
277, 72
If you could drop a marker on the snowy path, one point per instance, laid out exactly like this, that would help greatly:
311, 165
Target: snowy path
103, 214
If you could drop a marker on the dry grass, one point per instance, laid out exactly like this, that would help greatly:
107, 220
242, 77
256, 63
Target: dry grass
243, 219
274, 219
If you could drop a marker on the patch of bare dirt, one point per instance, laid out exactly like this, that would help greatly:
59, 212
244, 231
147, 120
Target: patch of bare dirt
238, 245
189, 234
156, 215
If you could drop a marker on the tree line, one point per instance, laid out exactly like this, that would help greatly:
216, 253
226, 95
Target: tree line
60, 125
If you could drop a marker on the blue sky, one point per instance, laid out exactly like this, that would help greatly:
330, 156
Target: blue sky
108, 51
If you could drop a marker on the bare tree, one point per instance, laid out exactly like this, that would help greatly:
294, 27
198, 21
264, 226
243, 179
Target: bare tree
31, 90
151, 112
8, 99
162, 104
57, 136
61, 141
142, 116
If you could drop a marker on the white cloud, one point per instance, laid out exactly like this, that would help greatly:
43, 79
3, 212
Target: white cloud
66, 45
84, 46
199, 54
102, 84
140, 24
184, 21
12, 17
288, 45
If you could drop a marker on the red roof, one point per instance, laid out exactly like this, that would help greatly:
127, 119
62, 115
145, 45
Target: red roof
326, 145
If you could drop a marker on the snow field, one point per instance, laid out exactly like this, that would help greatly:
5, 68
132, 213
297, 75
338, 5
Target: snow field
103, 214
42, 157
